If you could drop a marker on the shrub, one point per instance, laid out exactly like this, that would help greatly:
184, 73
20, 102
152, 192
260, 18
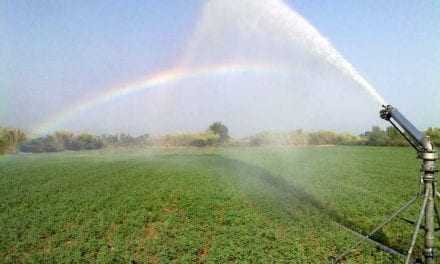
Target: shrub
60, 141
221, 130
434, 133
269, 138
10, 138
190, 139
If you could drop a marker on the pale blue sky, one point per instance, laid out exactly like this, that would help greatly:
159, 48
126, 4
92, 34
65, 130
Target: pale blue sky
395, 44
54, 52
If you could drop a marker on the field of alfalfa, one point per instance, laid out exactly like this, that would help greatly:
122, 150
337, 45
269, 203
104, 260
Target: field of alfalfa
233, 205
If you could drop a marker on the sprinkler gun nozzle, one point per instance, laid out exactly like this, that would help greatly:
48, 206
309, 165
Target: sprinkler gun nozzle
385, 113
415, 137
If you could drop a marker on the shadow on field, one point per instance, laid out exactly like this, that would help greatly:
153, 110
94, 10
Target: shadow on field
282, 192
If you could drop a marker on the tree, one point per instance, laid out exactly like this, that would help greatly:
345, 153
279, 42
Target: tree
204, 139
349, 139
434, 134
323, 138
144, 139
270, 138
33, 146
61, 141
108, 139
43, 144
63, 136
88, 141
298, 138
10, 138
52, 144
376, 137
221, 130
394, 137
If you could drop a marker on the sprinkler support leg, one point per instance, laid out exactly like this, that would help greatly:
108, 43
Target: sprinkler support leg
364, 238
429, 171
416, 231
436, 211
429, 226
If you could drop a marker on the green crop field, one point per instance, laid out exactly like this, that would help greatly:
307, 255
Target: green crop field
219, 205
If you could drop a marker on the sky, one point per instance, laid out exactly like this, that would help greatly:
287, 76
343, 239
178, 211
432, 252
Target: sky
54, 55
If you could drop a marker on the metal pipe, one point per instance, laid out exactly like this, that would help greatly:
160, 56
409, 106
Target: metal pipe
429, 170
417, 137
407, 126
367, 237
416, 231
429, 226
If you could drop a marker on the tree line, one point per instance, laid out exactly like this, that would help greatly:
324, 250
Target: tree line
63, 140
375, 137
217, 134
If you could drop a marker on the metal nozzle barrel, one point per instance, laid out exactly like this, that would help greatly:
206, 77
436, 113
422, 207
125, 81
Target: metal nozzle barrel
391, 114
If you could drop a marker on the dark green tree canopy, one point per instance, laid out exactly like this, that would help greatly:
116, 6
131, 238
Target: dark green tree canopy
221, 130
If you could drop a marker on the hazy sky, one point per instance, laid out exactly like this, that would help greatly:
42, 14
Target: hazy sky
54, 54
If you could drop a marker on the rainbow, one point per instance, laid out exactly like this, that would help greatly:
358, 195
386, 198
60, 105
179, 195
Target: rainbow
159, 79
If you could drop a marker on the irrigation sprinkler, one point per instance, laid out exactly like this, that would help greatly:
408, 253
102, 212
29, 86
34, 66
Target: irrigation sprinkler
429, 212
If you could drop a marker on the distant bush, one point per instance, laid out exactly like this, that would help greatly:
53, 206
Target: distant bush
217, 134
206, 139
190, 139
349, 139
434, 133
269, 138
10, 138
88, 141
126, 140
388, 137
43, 144
376, 137
220, 130
298, 138
61, 141
324, 138
301, 138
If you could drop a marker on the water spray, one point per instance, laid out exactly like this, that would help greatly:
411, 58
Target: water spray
429, 212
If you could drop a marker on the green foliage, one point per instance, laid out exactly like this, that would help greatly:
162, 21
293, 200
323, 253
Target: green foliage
349, 139
189, 139
221, 130
323, 138
44, 144
88, 141
205, 139
10, 138
125, 140
301, 138
434, 133
376, 137
269, 138
61, 141
239, 205
394, 138
298, 138
217, 134
389, 137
